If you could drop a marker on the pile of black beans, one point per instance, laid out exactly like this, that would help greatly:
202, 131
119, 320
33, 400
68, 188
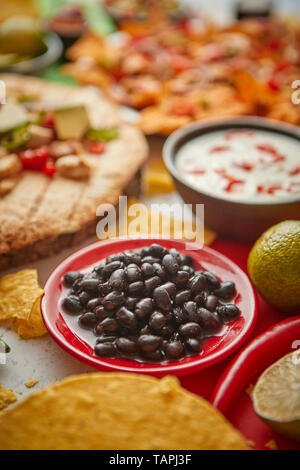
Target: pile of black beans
149, 304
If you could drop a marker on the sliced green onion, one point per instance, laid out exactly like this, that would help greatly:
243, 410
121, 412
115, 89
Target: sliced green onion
102, 134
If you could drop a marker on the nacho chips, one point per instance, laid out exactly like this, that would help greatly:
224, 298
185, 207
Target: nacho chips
116, 411
7, 396
20, 296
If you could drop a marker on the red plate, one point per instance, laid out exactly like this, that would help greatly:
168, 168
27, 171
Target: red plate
230, 396
215, 348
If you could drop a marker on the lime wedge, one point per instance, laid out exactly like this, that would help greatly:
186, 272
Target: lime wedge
276, 396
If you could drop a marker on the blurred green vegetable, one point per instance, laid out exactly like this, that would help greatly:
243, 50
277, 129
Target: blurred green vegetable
15, 138
4, 346
102, 134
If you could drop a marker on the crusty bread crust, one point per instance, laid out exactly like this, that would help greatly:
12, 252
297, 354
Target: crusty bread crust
42, 215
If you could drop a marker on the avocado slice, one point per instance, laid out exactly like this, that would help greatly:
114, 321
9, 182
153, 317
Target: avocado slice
71, 122
12, 115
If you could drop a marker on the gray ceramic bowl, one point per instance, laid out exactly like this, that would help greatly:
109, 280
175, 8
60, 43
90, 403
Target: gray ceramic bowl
240, 220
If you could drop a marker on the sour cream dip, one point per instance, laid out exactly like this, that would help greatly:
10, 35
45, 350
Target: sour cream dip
242, 164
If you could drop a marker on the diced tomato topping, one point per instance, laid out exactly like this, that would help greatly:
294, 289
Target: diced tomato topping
231, 183
49, 168
244, 166
231, 179
295, 171
183, 108
274, 45
196, 172
48, 120
283, 65
268, 189
180, 63
271, 150
95, 147
235, 133
35, 159
219, 148
273, 84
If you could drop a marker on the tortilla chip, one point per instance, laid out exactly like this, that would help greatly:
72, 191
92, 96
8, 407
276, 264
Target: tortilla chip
141, 220
33, 326
18, 292
20, 297
116, 411
156, 178
31, 383
271, 445
7, 396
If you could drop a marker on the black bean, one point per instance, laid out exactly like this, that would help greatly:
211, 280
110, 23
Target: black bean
190, 329
104, 288
212, 280
160, 271
226, 291
187, 260
157, 320
170, 288
150, 259
89, 284
228, 312
126, 346
144, 307
208, 320
117, 280
200, 298
151, 284
147, 269
193, 344
166, 331
101, 312
181, 278
179, 316
115, 257
113, 300
72, 304
126, 318
88, 320
197, 283
182, 296
132, 257
149, 343
84, 298
105, 350
175, 253
157, 251
174, 350
71, 277
109, 325
130, 302
111, 267
93, 303
187, 268
170, 263
133, 273
190, 308
136, 288
155, 356
211, 302
106, 339
162, 299
146, 330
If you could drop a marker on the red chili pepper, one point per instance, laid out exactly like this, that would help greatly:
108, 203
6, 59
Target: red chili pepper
48, 120
95, 147
231, 179
49, 168
35, 159
219, 148
268, 189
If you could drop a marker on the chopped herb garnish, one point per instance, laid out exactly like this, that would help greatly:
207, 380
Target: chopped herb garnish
102, 134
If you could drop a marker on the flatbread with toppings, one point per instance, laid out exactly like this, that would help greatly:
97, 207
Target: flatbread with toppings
63, 151
116, 411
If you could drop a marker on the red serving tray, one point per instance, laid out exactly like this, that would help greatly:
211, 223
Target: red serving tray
203, 383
